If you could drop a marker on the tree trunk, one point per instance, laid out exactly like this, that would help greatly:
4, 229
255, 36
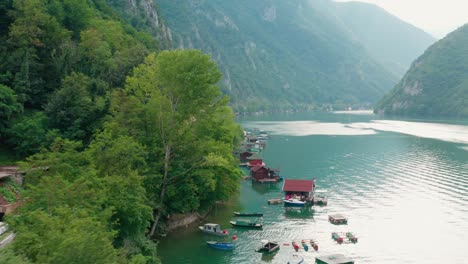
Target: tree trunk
157, 214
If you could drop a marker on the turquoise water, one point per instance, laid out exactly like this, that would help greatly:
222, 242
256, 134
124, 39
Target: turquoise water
402, 184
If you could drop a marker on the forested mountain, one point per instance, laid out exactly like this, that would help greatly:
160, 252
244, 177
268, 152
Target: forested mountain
437, 82
278, 53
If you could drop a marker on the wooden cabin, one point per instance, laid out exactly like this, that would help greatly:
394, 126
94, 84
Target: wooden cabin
264, 174
244, 155
299, 189
255, 160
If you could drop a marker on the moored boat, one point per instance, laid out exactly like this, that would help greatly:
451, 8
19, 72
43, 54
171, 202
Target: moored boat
304, 245
268, 247
221, 245
294, 202
248, 214
213, 229
246, 224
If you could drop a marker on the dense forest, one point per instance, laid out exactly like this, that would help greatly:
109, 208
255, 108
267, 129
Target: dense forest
278, 54
437, 82
111, 129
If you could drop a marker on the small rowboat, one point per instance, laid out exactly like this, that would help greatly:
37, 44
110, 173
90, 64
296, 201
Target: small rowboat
268, 247
351, 237
248, 214
337, 238
304, 245
314, 245
221, 245
295, 246
247, 224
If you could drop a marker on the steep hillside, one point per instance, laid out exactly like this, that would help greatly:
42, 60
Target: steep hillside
393, 42
437, 82
280, 53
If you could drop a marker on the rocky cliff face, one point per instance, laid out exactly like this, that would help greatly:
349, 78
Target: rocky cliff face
144, 15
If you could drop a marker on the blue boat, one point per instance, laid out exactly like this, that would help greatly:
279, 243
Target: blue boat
221, 245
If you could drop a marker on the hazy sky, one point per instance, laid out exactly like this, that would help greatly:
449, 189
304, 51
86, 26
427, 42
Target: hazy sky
437, 17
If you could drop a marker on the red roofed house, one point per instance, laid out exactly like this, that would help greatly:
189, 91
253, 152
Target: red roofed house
299, 189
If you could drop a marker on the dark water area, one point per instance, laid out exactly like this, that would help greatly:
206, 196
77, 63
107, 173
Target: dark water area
403, 184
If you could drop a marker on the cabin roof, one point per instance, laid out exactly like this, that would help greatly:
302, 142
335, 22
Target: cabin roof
298, 185
257, 168
255, 156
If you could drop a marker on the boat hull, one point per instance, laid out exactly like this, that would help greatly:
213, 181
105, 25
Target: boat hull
221, 245
295, 203
248, 214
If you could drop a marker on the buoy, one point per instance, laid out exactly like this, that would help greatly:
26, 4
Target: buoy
234, 237
224, 231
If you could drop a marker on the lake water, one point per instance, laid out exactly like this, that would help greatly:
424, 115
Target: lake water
403, 184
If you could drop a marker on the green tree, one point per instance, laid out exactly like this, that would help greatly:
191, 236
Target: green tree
72, 110
178, 90
8, 106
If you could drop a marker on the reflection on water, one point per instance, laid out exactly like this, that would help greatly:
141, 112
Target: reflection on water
263, 188
298, 212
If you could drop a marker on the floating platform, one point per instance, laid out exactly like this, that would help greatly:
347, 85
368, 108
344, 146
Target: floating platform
333, 259
338, 219
275, 201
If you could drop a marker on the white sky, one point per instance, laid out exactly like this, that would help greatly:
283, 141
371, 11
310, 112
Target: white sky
437, 17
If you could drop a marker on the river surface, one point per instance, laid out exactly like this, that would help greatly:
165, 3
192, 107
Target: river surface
403, 184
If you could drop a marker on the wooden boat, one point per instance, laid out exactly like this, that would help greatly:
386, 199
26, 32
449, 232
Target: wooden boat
294, 202
268, 247
221, 245
246, 224
248, 214
213, 229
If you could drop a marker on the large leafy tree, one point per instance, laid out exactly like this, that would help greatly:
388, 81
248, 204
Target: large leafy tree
170, 104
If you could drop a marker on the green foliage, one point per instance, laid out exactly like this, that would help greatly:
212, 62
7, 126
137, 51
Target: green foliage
7, 256
8, 106
437, 82
64, 235
72, 110
28, 134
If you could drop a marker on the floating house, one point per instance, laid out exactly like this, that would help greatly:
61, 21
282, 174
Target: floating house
301, 190
263, 174
244, 155
255, 160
